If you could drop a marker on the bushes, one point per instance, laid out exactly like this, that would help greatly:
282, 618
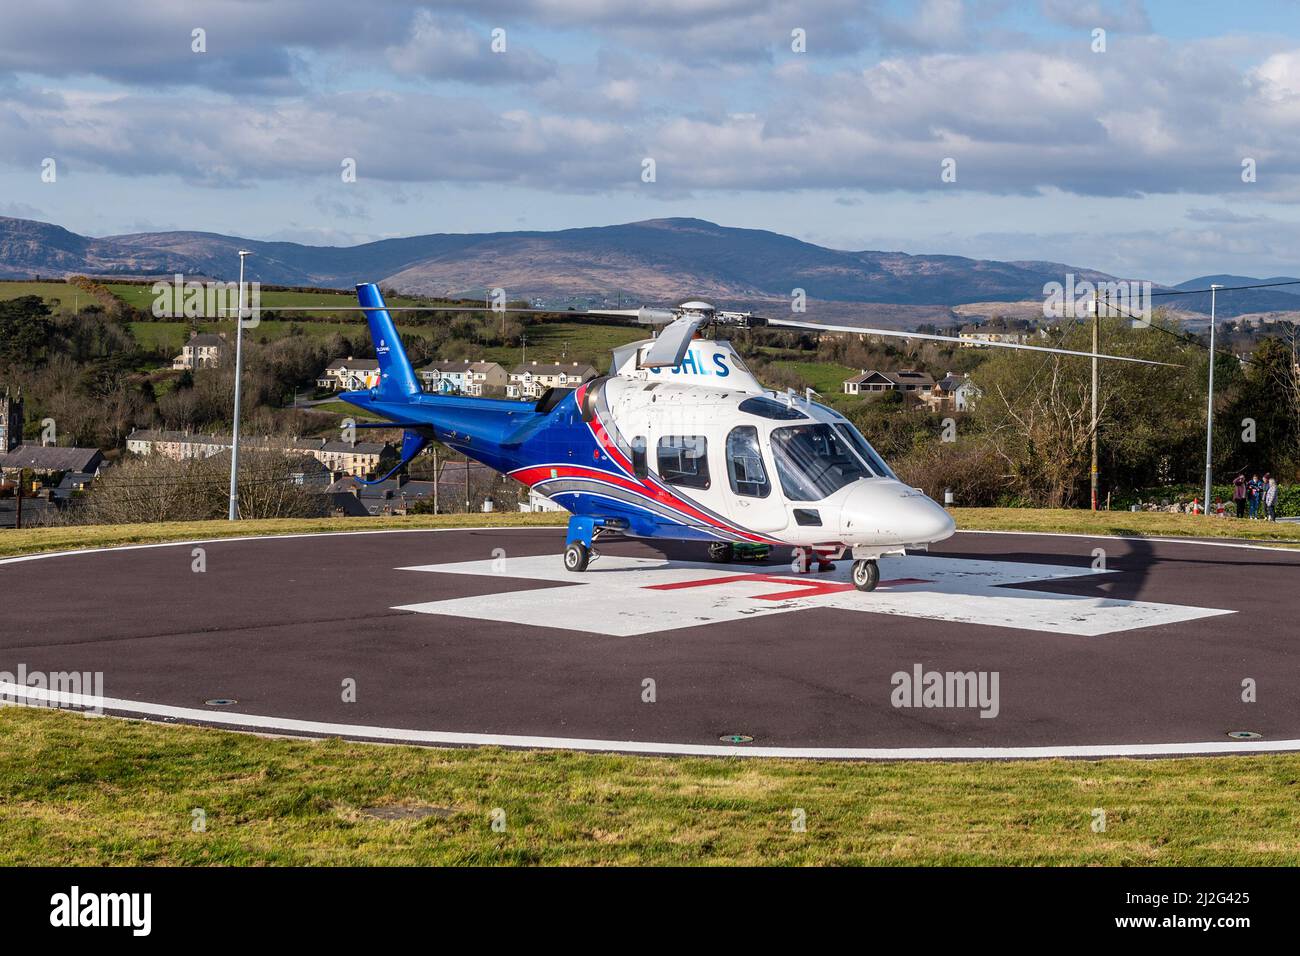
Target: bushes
972, 469
159, 489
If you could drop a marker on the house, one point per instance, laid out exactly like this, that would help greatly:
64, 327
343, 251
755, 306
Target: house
876, 381
530, 381
203, 350
339, 457
953, 391
394, 496
971, 334
464, 378
349, 374
49, 459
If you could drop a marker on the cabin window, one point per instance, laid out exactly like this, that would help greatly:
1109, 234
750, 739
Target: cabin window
745, 463
639, 466
684, 460
770, 408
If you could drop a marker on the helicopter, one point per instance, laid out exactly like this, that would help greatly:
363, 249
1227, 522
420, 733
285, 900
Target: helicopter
678, 441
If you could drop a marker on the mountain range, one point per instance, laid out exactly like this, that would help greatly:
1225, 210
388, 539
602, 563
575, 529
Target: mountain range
657, 260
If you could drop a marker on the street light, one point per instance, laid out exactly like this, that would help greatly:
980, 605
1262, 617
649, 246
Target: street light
239, 369
1209, 410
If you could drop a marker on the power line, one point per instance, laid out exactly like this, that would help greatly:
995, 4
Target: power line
1230, 288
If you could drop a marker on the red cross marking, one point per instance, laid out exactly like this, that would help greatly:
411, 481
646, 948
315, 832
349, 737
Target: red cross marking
803, 588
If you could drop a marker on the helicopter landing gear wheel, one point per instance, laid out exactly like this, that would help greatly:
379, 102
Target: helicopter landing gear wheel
576, 557
866, 575
721, 552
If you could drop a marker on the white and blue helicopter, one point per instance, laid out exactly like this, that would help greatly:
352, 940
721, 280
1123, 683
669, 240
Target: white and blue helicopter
679, 441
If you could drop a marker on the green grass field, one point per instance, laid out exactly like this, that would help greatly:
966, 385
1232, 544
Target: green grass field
51, 292
560, 341
142, 297
827, 379
94, 792
111, 792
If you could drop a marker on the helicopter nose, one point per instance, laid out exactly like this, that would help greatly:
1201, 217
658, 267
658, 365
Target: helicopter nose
890, 512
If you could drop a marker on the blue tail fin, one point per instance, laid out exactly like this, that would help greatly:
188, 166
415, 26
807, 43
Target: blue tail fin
396, 377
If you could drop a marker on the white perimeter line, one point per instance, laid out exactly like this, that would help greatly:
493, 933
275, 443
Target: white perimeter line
273, 536
309, 727
1202, 542
546, 527
288, 725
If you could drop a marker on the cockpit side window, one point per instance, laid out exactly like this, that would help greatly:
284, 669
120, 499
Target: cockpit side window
684, 460
745, 463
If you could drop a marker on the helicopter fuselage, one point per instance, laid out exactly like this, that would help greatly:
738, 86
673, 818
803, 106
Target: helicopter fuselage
698, 452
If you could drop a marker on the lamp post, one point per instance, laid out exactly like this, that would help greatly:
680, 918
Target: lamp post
239, 369
1209, 411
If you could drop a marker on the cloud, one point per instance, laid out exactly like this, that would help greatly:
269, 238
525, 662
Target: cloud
438, 49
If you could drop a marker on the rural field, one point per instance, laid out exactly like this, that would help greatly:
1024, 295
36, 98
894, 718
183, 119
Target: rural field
51, 292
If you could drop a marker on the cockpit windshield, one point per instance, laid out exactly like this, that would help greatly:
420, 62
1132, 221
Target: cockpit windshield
815, 461
865, 451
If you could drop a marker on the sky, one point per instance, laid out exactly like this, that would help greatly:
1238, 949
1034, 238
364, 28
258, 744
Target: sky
1112, 134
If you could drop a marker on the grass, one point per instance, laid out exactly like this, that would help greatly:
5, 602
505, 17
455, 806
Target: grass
50, 292
826, 378
113, 792
560, 341
1141, 524
110, 792
1128, 523
142, 297
37, 540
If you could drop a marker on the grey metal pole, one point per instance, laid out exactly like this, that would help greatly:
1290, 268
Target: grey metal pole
1092, 472
239, 371
1209, 411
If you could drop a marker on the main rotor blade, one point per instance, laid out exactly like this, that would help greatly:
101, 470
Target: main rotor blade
670, 347
860, 330
420, 308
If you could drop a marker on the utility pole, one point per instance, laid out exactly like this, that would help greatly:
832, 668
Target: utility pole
1096, 322
435, 479
1209, 410
239, 369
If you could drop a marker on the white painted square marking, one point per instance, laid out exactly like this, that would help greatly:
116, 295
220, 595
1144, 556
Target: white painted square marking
622, 596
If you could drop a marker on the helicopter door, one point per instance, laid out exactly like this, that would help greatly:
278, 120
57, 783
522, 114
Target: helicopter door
752, 502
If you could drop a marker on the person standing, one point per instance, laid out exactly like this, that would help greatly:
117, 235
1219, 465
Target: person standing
1254, 489
1239, 495
1270, 498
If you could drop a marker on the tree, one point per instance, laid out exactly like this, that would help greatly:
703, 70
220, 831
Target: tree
25, 330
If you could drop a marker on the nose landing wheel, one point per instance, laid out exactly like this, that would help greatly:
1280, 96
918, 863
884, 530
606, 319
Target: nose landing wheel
577, 556
866, 575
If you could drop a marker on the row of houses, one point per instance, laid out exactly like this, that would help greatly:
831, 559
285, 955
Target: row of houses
953, 391
356, 458
462, 377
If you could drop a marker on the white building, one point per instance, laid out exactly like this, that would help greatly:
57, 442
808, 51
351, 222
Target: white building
350, 374
530, 381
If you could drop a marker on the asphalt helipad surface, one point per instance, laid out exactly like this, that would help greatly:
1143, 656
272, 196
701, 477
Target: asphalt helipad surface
1072, 645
